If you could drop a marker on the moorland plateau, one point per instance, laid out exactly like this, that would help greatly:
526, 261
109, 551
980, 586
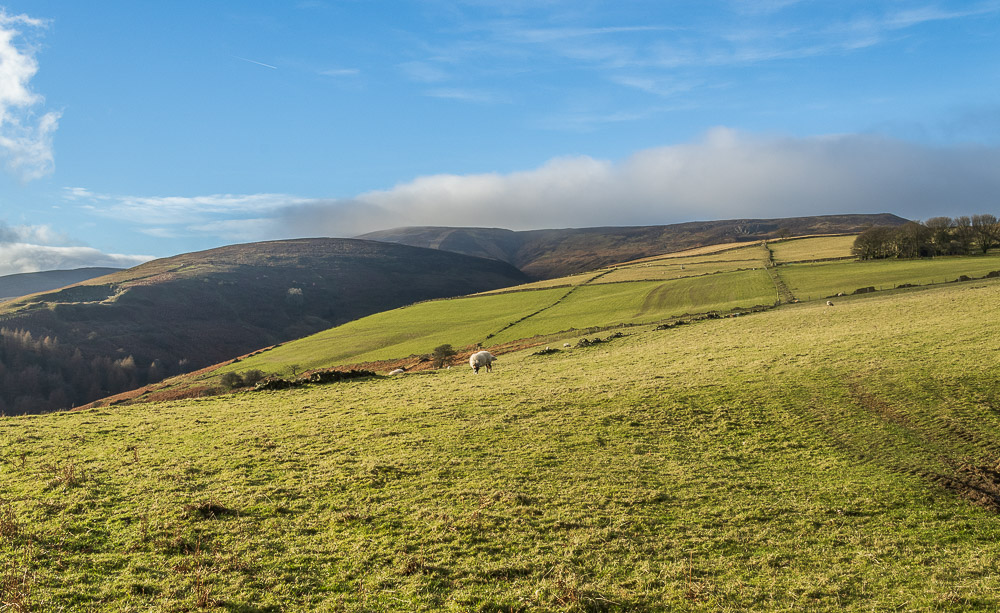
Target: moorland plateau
546, 254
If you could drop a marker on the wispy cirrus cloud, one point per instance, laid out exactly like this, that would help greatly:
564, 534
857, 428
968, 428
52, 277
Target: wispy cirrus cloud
174, 210
555, 34
425, 72
758, 7
25, 134
659, 57
230, 217
909, 17
468, 95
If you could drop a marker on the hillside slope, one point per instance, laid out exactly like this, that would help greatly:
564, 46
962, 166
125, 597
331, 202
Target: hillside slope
806, 458
545, 254
718, 281
191, 310
22, 284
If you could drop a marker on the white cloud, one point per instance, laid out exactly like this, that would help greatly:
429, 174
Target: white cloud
726, 174
21, 257
81, 193
25, 137
37, 248
41, 235
723, 175
10, 20
167, 210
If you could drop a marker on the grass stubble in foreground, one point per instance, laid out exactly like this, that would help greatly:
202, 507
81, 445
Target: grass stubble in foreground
807, 458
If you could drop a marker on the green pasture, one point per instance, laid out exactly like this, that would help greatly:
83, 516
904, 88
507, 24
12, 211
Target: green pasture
663, 270
808, 458
415, 329
669, 266
736, 251
461, 322
546, 284
603, 305
813, 248
814, 281
708, 252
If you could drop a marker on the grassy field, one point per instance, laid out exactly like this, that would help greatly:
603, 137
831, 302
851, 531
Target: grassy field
416, 329
646, 297
813, 248
546, 284
805, 458
814, 281
690, 263
419, 328
605, 305
698, 252
664, 270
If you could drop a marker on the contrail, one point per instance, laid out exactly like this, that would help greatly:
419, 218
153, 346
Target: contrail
255, 62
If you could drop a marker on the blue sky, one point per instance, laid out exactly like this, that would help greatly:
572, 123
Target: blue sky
131, 130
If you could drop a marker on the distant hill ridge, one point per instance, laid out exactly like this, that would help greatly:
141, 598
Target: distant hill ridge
22, 284
546, 254
179, 313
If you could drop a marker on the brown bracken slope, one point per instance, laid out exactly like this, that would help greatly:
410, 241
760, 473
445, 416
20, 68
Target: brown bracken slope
546, 254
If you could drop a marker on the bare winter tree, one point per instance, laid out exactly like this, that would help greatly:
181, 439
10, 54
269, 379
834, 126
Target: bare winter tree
984, 229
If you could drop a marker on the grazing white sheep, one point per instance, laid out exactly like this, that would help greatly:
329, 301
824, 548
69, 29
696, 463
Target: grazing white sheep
482, 359
829, 303
398, 371
566, 345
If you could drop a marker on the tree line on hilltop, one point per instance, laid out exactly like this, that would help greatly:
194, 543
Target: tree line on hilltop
963, 235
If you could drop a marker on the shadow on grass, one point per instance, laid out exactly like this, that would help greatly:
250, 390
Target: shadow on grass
236, 607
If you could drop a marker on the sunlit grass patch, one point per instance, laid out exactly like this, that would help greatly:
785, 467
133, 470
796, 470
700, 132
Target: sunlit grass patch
812, 248
602, 305
663, 270
415, 329
706, 253
813, 281
546, 284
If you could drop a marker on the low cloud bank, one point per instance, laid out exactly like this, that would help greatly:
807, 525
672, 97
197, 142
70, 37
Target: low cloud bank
38, 248
725, 174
